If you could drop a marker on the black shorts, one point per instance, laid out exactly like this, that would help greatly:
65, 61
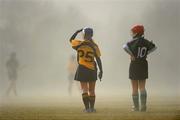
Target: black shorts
84, 74
138, 70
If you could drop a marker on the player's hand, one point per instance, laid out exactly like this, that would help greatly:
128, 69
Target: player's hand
100, 75
80, 30
132, 58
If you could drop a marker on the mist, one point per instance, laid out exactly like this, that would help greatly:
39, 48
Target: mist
39, 31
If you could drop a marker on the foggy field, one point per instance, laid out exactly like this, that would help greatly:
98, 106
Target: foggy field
38, 31
115, 109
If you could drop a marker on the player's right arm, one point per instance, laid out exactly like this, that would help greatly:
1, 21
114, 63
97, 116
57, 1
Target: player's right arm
151, 47
99, 62
98, 59
74, 35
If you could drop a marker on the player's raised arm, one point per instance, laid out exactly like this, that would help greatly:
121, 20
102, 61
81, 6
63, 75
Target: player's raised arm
98, 59
75, 34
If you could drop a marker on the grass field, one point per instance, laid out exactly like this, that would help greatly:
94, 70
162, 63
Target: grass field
69, 109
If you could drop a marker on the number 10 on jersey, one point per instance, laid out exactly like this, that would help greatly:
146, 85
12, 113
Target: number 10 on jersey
142, 51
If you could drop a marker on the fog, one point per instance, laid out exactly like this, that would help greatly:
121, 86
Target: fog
39, 31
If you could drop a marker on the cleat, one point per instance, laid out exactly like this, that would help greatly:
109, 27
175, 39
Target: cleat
134, 109
86, 111
92, 110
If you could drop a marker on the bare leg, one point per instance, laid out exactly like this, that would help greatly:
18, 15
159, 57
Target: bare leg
142, 84
134, 84
84, 87
92, 88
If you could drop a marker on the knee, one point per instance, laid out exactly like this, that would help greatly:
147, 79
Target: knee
142, 89
91, 93
84, 91
135, 92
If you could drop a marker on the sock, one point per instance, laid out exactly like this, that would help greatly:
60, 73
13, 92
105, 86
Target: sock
85, 98
143, 95
92, 101
136, 100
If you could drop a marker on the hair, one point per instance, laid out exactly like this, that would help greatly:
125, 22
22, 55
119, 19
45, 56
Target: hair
88, 33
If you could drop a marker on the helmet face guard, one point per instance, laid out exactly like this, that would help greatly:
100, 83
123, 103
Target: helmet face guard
137, 30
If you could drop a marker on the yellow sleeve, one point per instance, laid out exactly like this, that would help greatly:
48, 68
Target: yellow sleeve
75, 43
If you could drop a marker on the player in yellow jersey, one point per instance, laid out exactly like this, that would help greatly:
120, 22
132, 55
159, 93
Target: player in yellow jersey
88, 54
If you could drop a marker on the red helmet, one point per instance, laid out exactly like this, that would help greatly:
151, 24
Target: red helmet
138, 30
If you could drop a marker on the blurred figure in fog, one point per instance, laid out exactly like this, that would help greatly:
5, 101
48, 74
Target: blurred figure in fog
72, 66
12, 65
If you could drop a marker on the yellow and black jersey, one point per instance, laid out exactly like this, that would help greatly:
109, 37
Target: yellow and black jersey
87, 51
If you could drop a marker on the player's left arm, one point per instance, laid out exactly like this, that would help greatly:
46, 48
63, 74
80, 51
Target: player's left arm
127, 49
151, 47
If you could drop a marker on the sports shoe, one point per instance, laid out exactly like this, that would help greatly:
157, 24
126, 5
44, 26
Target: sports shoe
86, 111
134, 109
92, 110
